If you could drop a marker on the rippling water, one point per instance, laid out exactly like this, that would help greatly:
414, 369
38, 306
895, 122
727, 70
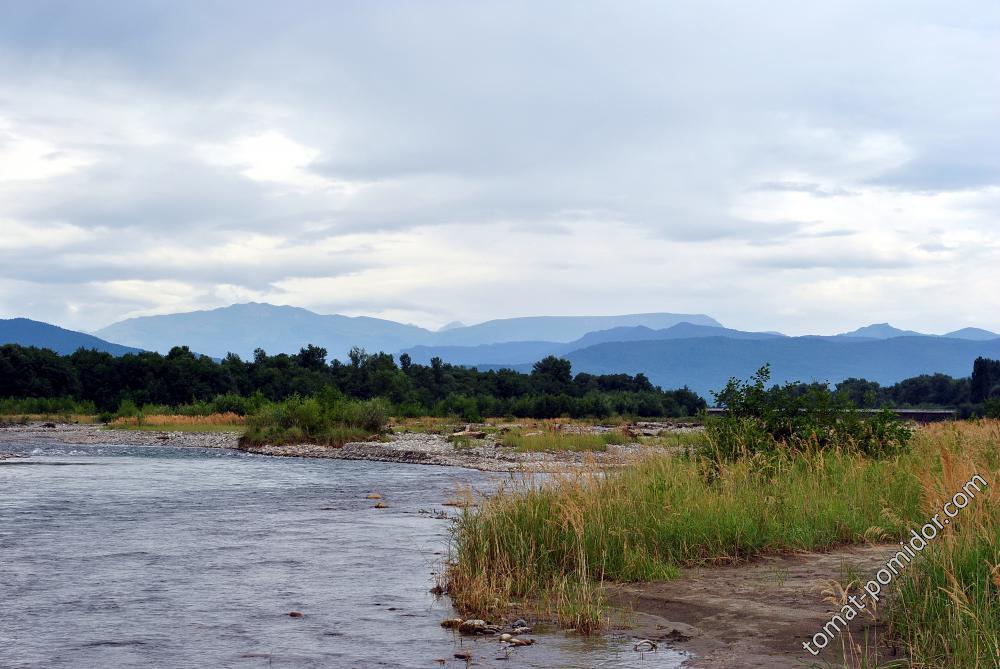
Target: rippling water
177, 557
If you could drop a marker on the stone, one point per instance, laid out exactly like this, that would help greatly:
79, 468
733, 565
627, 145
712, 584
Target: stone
464, 655
451, 623
515, 642
523, 629
296, 614
472, 626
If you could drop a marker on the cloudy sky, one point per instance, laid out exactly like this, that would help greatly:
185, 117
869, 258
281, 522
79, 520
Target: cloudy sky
806, 167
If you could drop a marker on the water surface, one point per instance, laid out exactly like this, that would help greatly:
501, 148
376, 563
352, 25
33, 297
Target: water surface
176, 557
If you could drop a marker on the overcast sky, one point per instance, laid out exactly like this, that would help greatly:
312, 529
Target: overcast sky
798, 166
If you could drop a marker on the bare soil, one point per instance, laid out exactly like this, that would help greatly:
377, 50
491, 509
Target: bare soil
757, 615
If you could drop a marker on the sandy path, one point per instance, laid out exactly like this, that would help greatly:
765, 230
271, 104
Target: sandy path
756, 615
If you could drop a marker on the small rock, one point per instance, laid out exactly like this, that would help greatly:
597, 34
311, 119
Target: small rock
506, 637
472, 626
521, 630
49, 425
515, 642
374, 495
381, 505
296, 614
464, 655
451, 623
520, 622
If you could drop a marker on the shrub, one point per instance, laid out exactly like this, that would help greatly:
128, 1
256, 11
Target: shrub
793, 416
327, 420
991, 407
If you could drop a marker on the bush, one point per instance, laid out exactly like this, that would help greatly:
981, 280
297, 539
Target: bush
326, 420
991, 407
797, 417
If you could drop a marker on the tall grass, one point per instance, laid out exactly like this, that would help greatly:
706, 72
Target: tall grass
644, 521
553, 441
546, 546
947, 612
215, 422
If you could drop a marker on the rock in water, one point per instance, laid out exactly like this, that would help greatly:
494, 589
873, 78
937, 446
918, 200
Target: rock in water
472, 626
296, 614
451, 623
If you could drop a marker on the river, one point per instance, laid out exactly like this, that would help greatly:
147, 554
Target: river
116, 556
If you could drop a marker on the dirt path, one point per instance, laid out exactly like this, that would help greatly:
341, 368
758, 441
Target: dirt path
757, 615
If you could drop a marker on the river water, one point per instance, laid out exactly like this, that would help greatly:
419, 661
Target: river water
116, 556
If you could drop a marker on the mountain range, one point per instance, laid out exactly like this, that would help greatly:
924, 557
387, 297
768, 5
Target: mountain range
27, 332
673, 350
241, 328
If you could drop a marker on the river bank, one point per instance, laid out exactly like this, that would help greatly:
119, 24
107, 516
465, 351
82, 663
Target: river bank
752, 615
403, 447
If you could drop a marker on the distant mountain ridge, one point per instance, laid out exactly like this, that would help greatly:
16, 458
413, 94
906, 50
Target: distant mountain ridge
241, 328
521, 352
671, 350
26, 332
881, 331
705, 364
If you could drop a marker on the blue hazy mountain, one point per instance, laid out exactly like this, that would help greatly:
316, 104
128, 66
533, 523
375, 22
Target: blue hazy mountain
241, 328
881, 331
705, 364
27, 332
973, 334
522, 352
559, 329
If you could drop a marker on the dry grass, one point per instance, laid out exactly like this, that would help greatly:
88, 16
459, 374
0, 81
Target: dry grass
553, 439
214, 422
947, 612
547, 547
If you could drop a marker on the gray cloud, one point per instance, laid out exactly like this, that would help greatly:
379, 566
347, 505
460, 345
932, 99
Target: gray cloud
667, 142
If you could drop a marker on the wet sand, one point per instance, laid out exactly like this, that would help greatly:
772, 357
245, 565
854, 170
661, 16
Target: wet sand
755, 616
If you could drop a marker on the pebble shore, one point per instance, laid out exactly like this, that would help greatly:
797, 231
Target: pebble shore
406, 447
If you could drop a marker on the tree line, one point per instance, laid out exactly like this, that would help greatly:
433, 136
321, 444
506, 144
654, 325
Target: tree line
550, 390
181, 377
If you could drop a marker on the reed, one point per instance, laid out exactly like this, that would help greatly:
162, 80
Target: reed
644, 521
545, 546
947, 609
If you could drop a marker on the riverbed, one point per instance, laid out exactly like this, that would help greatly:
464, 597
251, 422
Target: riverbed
159, 556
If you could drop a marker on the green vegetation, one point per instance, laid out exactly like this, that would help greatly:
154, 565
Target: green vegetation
327, 420
188, 382
760, 420
809, 483
554, 441
642, 522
